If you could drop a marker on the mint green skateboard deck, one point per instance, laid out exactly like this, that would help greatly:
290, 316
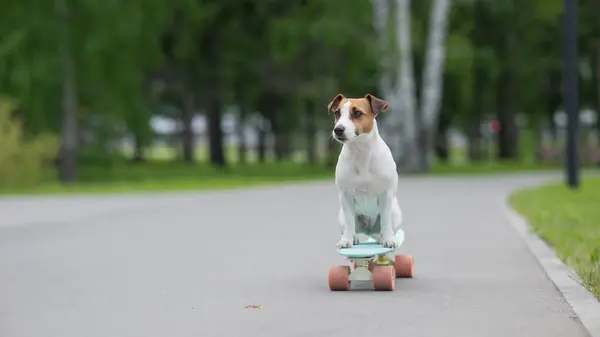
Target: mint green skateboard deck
365, 249
370, 248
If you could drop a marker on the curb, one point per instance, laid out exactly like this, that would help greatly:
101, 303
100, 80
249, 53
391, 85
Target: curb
583, 303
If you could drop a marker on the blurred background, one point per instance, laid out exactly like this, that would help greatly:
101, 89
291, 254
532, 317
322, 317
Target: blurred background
147, 94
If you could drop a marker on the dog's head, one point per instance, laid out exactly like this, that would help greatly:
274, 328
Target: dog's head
354, 116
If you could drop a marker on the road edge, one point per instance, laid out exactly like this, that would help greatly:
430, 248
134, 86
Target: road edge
566, 280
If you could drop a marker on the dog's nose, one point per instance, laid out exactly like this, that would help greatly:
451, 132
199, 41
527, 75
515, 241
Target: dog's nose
339, 130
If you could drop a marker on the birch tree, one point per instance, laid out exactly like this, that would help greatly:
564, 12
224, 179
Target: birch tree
380, 23
432, 86
405, 79
404, 126
391, 121
398, 126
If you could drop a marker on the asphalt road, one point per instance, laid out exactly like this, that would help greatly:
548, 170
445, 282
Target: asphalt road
179, 265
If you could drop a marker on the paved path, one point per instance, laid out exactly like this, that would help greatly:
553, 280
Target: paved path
186, 264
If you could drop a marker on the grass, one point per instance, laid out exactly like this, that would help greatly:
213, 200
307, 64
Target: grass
570, 222
493, 167
156, 176
167, 176
100, 173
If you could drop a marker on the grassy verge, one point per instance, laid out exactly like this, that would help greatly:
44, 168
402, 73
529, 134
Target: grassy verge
493, 167
123, 177
166, 176
570, 222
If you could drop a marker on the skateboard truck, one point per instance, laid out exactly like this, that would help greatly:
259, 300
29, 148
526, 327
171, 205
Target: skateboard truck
369, 262
361, 271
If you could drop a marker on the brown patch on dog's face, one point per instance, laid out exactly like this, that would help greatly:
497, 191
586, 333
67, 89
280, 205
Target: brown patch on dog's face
361, 114
355, 116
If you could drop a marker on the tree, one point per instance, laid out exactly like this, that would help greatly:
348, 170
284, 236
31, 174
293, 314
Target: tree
69, 122
406, 80
431, 91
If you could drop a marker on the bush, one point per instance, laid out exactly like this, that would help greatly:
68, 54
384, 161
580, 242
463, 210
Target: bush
21, 160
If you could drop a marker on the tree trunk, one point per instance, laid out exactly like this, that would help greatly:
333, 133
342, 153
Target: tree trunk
405, 123
507, 137
187, 132
138, 149
262, 142
215, 100
68, 169
241, 99
138, 123
380, 23
280, 124
387, 123
311, 132
279, 145
265, 107
269, 104
432, 85
215, 133
442, 150
242, 145
505, 98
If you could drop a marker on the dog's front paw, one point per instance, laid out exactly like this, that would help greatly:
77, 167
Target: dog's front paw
388, 242
344, 243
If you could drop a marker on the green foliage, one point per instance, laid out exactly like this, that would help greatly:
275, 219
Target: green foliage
297, 53
21, 160
156, 177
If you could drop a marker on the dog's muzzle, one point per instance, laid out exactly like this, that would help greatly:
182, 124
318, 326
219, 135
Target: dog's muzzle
338, 131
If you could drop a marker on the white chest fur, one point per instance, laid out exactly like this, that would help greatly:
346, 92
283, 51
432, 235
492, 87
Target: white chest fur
363, 174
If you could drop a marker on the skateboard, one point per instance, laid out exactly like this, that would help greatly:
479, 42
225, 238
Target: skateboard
369, 262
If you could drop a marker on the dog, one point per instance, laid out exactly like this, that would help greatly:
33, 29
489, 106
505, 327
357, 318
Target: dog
365, 174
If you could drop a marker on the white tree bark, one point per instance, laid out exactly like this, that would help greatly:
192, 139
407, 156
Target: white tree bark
405, 78
390, 122
432, 86
400, 127
380, 23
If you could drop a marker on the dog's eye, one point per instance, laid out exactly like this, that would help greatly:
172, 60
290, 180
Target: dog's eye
357, 113
336, 113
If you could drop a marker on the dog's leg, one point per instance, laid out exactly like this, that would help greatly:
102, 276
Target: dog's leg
387, 238
396, 215
348, 218
342, 221
396, 223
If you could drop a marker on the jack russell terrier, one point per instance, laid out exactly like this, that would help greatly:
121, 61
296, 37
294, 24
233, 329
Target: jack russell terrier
365, 174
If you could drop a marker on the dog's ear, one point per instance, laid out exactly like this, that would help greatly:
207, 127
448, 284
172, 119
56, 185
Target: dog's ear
335, 103
377, 104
